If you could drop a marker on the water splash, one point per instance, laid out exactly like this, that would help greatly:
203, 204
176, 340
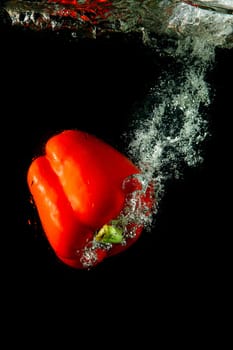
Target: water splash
210, 26
169, 130
94, 18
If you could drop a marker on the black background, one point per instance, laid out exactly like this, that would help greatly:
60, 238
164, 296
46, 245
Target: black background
50, 83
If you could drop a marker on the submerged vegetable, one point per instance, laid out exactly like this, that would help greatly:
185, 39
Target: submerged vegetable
90, 198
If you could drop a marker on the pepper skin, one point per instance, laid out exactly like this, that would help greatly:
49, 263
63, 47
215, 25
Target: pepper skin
89, 197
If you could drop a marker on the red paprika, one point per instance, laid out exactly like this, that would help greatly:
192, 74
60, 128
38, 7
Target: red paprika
89, 197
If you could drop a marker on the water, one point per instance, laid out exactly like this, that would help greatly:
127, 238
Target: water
167, 131
93, 18
169, 134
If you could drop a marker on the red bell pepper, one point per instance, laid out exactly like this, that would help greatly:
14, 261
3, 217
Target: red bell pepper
90, 198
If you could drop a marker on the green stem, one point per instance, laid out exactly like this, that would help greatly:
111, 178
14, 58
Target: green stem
109, 234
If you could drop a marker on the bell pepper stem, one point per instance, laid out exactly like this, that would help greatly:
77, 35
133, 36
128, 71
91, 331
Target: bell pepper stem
109, 234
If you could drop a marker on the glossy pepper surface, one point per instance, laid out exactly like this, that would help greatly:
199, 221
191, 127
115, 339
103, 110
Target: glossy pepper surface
90, 198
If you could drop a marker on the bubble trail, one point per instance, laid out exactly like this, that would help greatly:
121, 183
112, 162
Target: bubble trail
167, 133
170, 134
